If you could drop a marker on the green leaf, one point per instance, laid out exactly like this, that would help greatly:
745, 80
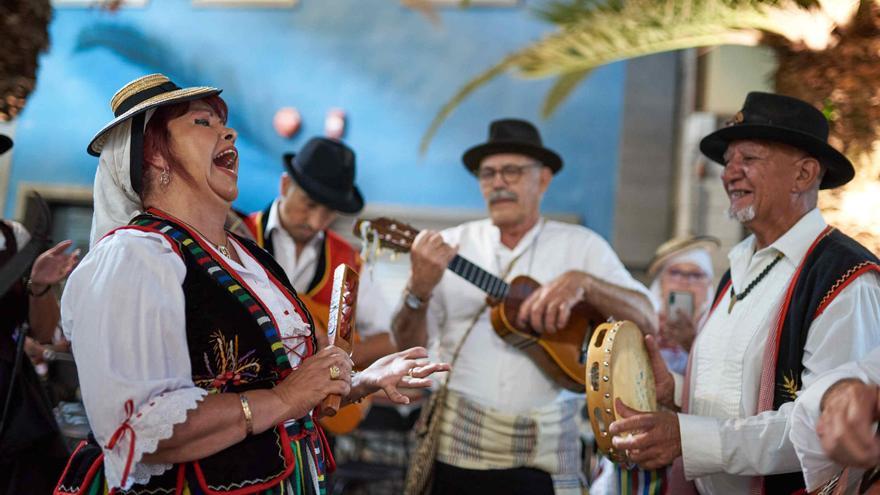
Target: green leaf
561, 90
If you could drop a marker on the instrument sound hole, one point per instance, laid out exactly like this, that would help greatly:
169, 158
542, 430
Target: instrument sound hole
594, 376
600, 420
601, 338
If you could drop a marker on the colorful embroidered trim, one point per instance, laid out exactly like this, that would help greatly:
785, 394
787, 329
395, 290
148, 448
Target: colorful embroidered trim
222, 277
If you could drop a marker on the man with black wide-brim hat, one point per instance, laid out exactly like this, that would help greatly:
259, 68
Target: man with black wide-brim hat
800, 297
489, 439
317, 185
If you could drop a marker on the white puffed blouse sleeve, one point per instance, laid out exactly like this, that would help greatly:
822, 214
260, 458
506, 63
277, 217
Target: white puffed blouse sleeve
123, 311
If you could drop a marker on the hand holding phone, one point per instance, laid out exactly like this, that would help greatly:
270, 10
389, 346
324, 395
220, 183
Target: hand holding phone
680, 302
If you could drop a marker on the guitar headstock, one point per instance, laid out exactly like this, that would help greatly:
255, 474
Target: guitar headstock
386, 233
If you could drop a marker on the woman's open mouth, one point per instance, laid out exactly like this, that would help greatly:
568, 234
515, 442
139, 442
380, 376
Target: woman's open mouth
227, 159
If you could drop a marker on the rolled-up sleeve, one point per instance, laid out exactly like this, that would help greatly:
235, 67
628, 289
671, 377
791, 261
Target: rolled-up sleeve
123, 310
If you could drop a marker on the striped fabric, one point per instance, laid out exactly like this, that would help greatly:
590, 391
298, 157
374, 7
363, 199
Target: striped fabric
640, 482
474, 437
300, 482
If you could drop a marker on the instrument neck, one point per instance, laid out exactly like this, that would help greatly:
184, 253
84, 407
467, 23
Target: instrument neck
491, 284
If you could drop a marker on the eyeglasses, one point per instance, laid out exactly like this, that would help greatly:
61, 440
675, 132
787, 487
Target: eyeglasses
686, 275
509, 173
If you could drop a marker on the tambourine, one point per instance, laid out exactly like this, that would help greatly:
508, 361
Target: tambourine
618, 367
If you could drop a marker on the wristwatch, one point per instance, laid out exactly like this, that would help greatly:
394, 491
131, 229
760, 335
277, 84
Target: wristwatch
413, 301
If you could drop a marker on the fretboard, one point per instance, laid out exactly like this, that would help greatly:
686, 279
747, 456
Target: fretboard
489, 283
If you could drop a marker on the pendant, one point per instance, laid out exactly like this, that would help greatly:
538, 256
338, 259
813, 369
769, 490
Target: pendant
733, 300
223, 251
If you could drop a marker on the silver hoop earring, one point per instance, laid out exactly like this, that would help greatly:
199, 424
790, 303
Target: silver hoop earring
164, 177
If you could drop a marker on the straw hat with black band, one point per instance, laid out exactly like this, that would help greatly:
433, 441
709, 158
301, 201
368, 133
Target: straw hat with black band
5, 143
119, 146
787, 120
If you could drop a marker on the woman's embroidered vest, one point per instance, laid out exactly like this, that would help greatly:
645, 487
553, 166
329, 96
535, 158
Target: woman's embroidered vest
234, 346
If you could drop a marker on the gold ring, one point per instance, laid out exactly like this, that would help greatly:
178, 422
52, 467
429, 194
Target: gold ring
409, 373
335, 372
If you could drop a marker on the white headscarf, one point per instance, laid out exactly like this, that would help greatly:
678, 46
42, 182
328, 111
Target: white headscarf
116, 202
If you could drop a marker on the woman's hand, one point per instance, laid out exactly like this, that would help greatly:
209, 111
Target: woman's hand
312, 381
404, 369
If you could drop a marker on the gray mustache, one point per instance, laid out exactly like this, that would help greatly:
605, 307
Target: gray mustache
501, 194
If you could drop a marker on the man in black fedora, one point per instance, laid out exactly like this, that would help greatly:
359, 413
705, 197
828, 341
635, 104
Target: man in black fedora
317, 185
505, 425
799, 298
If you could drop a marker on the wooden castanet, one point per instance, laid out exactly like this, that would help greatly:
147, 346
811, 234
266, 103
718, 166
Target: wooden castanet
340, 322
618, 367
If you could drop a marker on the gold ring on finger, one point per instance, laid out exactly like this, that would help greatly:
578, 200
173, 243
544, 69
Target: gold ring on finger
410, 372
335, 372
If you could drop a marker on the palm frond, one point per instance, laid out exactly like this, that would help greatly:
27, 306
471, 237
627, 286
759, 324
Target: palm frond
561, 90
594, 33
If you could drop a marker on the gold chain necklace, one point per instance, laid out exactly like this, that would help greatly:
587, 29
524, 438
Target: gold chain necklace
222, 248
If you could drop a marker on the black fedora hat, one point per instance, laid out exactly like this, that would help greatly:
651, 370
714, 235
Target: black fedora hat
325, 169
512, 136
5, 143
787, 120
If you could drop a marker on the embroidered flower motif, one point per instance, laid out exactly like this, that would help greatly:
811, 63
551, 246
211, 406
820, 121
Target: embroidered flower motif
229, 368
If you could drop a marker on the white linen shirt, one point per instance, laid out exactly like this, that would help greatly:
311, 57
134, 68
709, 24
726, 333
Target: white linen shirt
123, 311
818, 468
490, 371
723, 441
373, 315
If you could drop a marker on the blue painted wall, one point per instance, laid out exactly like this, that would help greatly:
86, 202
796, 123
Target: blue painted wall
386, 65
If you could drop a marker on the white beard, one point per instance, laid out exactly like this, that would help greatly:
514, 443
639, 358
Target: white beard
742, 215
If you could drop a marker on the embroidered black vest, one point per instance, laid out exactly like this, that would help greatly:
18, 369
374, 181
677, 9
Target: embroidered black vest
834, 262
233, 346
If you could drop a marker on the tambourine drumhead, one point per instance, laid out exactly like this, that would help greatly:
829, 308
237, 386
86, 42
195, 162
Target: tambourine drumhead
618, 366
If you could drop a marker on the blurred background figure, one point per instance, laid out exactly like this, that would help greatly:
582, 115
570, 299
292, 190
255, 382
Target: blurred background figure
32, 454
683, 285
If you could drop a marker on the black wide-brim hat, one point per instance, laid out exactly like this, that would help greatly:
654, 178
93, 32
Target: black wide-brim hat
325, 169
132, 101
512, 136
787, 120
5, 143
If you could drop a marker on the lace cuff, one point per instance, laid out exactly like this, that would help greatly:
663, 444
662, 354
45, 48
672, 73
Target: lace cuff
153, 422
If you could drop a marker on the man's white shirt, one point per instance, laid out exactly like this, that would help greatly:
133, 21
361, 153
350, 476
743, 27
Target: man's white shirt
724, 442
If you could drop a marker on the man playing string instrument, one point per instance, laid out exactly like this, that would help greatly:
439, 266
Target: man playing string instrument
506, 426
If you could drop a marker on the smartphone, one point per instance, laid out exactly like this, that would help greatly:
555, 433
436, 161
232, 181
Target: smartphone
680, 301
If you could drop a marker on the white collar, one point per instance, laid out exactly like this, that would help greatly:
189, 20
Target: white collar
793, 244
